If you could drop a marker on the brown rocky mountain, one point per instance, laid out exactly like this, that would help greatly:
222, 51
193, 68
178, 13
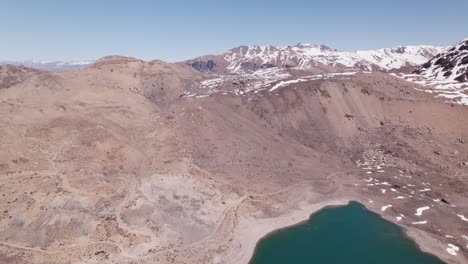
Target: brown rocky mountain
11, 75
151, 162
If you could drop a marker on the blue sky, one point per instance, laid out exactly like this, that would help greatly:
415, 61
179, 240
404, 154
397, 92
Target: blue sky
175, 30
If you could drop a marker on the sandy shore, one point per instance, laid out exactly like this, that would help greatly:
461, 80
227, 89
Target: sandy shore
433, 246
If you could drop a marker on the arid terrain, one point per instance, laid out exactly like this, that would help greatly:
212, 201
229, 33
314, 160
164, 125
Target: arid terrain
152, 162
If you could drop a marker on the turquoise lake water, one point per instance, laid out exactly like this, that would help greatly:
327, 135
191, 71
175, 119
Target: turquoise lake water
341, 235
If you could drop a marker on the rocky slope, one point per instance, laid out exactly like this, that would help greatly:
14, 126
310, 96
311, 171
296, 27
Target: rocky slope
151, 162
450, 65
252, 58
11, 75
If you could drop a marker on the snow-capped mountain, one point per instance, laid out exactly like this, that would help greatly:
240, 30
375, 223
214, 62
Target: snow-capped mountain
252, 58
53, 66
450, 65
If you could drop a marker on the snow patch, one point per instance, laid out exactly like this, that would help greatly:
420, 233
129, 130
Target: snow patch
452, 249
385, 207
462, 217
283, 83
420, 210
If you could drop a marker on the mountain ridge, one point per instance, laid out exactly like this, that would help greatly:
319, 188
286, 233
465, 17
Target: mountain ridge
251, 58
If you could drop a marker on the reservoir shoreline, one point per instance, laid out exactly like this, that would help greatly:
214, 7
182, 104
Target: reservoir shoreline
262, 228
321, 226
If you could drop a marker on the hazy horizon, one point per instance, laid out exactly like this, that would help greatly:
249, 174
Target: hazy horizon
87, 30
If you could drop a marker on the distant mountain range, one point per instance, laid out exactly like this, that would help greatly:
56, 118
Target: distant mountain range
442, 63
252, 58
52, 66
